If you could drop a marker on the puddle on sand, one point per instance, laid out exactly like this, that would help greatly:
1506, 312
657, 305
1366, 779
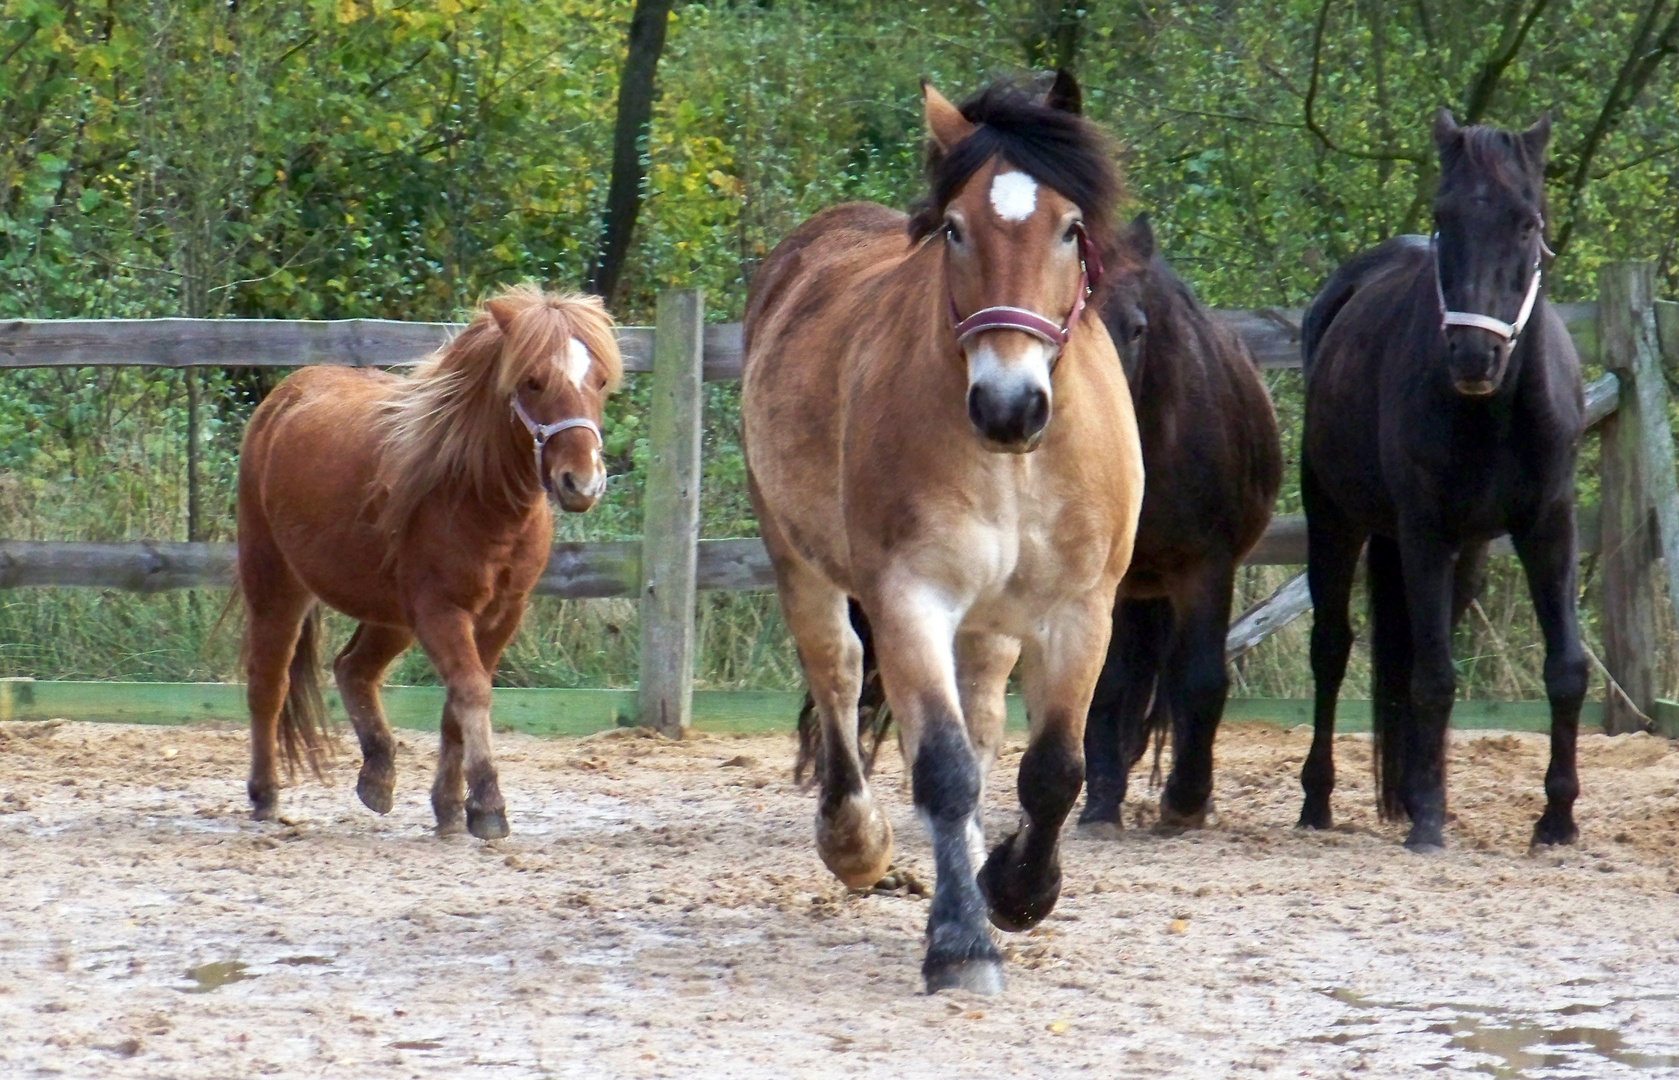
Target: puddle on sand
215, 976
305, 961
417, 1044
1519, 1044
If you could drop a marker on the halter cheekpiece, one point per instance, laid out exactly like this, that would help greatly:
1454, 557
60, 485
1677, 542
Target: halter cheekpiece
1507, 331
541, 433
1004, 317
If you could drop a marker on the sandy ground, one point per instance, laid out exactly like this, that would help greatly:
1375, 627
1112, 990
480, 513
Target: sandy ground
660, 911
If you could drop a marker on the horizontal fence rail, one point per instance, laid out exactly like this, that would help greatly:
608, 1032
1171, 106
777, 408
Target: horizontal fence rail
1271, 334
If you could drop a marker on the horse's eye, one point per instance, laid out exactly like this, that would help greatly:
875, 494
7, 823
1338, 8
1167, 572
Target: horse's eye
952, 231
1071, 234
533, 384
1137, 331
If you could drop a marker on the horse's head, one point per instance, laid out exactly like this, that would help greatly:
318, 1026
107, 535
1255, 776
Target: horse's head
1123, 309
559, 361
1022, 188
1489, 237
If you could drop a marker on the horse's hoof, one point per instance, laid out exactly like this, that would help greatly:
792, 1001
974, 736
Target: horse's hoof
487, 824
974, 976
1315, 817
855, 841
1015, 904
1424, 840
1101, 830
265, 811
1173, 821
375, 793
265, 803
450, 821
1551, 830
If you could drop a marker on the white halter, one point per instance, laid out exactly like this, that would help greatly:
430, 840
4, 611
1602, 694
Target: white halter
1508, 331
541, 433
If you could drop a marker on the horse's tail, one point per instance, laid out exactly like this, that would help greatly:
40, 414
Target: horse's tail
304, 723
1391, 716
1349, 278
874, 716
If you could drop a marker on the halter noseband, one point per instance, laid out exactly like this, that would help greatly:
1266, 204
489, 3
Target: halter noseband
1507, 331
1003, 317
541, 433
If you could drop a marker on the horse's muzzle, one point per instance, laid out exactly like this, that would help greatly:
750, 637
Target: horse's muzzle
1476, 361
1010, 421
575, 495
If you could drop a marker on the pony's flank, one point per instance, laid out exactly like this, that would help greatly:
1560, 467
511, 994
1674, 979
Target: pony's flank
450, 422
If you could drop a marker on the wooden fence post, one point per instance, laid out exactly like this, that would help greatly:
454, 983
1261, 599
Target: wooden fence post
671, 515
1640, 514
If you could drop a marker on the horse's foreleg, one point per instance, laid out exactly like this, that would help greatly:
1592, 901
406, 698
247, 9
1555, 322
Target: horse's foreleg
1022, 878
1332, 547
1429, 567
1196, 685
449, 640
983, 663
915, 640
1548, 557
359, 669
1117, 729
853, 836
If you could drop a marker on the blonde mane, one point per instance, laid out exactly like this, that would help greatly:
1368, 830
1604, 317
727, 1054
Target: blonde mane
448, 425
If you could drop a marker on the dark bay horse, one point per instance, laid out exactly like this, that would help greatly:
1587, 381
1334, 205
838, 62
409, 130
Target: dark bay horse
1433, 425
932, 428
415, 505
1212, 466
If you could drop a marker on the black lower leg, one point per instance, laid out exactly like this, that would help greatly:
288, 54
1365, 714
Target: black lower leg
946, 783
1022, 877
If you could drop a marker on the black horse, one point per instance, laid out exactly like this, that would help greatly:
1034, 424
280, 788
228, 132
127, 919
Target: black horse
1432, 426
1212, 466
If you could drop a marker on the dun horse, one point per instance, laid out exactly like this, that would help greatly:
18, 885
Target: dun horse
1213, 466
415, 506
1433, 425
932, 428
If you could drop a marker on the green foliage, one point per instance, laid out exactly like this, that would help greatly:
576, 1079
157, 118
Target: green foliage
374, 158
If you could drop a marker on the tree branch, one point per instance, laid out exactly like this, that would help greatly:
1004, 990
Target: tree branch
1386, 153
1503, 55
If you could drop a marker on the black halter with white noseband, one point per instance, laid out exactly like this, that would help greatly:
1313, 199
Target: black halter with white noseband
1508, 331
541, 433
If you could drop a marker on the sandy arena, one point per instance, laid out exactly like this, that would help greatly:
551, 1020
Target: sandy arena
660, 911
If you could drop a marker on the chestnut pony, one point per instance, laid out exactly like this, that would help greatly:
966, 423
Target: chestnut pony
416, 506
932, 427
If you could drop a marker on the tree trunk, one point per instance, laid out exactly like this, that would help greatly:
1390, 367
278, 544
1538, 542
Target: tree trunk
629, 138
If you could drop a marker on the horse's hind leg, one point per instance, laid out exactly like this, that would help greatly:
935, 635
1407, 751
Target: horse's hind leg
983, 663
359, 669
1196, 685
1022, 878
853, 836
1117, 730
1332, 547
1548, 557
1390, 673
276, 603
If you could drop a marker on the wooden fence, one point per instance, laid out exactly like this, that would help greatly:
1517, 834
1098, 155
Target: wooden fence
1637, 523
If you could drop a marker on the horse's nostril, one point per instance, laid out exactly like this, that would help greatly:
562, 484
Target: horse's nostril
568, 483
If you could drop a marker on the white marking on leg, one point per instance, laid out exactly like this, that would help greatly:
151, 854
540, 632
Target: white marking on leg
976, 841
577, 362
1014, 195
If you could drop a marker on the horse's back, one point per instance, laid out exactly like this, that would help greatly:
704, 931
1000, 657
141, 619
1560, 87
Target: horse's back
1399, 255
801, 315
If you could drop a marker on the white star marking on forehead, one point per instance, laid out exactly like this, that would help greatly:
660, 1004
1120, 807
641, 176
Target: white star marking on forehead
577, 362
1014, 195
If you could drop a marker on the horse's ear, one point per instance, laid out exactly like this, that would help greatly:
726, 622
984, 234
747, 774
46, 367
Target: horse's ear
1536, 138
945, 122
1139, 237
1065, 94
1446, 131
502, 309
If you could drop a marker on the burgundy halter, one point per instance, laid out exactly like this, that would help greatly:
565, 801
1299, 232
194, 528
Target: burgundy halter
1003, 317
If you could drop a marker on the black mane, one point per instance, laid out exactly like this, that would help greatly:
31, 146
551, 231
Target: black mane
1059, 149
